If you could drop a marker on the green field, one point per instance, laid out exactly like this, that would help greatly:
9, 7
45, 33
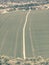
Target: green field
37, 31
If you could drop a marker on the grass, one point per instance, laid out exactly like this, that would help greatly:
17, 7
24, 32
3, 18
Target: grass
11, 25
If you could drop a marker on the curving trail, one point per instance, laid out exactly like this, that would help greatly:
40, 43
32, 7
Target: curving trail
32, 45
3, 41
26, 20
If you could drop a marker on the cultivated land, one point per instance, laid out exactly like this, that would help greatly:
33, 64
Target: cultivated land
37, 33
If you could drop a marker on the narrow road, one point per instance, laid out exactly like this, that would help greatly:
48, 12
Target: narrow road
26, 20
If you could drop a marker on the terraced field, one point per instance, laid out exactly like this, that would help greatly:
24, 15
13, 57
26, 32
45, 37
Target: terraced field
37, 33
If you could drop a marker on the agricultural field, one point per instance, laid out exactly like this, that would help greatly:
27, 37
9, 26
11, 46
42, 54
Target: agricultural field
36, 33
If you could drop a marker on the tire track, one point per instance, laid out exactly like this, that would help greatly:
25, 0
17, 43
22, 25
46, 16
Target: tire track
32, 44
3, 41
